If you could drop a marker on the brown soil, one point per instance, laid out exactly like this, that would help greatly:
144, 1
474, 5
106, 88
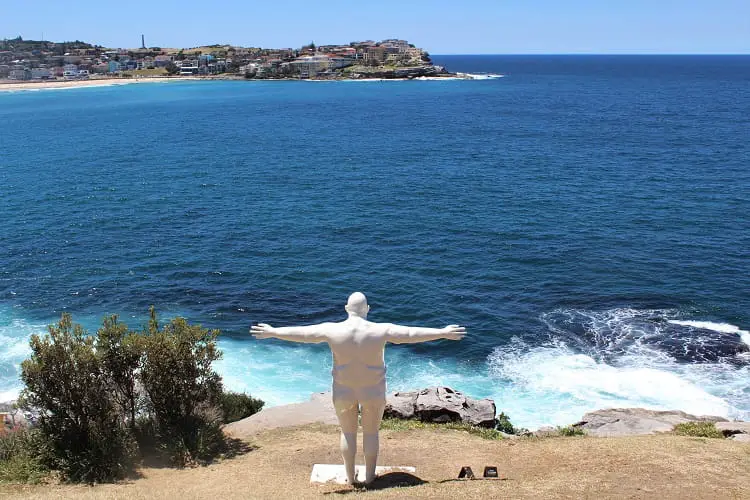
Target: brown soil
660, 467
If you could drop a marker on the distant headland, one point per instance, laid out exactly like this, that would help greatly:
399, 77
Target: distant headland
35, 60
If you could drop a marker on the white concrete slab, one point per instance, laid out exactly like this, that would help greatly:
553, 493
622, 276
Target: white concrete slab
326, 473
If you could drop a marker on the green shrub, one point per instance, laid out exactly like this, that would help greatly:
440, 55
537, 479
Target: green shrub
236, 406
19, 462
103, 398
502, 424
698, 429
121, 352
569, 431
184, 392
83, 432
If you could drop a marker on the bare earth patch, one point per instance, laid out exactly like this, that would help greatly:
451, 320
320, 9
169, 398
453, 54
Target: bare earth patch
663, 467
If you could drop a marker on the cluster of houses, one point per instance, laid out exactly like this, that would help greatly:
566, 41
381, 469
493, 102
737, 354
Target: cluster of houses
313, 62
28, 60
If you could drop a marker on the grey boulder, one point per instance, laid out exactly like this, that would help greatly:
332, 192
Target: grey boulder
636, 421
441, 404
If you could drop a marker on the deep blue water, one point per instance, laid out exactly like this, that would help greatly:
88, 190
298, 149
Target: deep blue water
586, 217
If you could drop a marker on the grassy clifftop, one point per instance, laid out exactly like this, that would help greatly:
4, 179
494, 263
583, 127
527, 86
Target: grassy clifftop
663, 467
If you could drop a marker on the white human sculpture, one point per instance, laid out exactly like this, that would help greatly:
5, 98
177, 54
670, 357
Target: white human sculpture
358, 370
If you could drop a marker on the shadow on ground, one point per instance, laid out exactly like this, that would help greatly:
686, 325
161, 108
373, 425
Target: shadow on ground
233, 447
390, 480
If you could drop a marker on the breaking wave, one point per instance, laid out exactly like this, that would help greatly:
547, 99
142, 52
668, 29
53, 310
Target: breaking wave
14, 348
624, 358
584, 360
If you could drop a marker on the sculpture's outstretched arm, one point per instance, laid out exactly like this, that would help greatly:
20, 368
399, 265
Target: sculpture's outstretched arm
398, 334
313, 334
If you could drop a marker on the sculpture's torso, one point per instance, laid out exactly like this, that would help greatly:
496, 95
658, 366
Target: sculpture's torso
358, 347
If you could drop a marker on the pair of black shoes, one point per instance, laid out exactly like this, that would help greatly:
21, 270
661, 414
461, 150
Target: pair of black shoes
490, 472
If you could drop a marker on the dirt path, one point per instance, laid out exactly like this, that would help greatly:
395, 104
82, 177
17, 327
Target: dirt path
659, 467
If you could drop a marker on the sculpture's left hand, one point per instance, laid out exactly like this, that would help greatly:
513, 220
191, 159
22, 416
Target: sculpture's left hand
261, 331
454, 332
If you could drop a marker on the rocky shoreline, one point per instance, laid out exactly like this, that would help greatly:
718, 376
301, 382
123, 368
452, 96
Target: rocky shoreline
443, 404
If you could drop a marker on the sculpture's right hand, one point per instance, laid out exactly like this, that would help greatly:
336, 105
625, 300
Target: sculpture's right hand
261, 331
454, 332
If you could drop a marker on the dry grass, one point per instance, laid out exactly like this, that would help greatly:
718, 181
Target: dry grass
663, 467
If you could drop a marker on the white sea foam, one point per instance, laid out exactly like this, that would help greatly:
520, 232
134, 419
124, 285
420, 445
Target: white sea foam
708, 325
560, 385
479, 76
14, 348
716, 327
551, 384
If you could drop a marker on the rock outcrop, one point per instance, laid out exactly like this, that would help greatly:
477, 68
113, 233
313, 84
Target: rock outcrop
319, 409
733, 428
441, 404
736, 431
635, 421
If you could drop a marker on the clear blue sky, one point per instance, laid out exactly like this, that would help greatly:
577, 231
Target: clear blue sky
439, 26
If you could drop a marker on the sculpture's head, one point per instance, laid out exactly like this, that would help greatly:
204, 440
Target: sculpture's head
357, 305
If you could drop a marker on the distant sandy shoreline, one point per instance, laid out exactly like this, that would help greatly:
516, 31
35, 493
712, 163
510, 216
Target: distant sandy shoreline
12, 86
15, 86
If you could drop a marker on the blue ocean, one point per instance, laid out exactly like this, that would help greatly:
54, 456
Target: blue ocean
586, 217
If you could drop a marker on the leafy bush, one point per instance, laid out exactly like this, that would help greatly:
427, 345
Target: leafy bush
502, 424
236, 406
19, 462
698, 429
184, 393
101, 399
120, 352
79, 420
569, 431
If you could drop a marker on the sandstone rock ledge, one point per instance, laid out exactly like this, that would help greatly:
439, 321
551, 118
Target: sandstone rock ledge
615, 422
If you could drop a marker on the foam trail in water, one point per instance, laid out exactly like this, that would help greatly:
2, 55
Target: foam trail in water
479, 76
716, 327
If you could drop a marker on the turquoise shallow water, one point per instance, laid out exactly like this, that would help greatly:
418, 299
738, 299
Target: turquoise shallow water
585, 217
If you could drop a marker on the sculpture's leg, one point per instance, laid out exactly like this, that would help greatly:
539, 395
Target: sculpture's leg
372, 414
348, 413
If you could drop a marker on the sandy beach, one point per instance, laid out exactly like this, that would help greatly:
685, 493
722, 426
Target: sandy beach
14, 86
